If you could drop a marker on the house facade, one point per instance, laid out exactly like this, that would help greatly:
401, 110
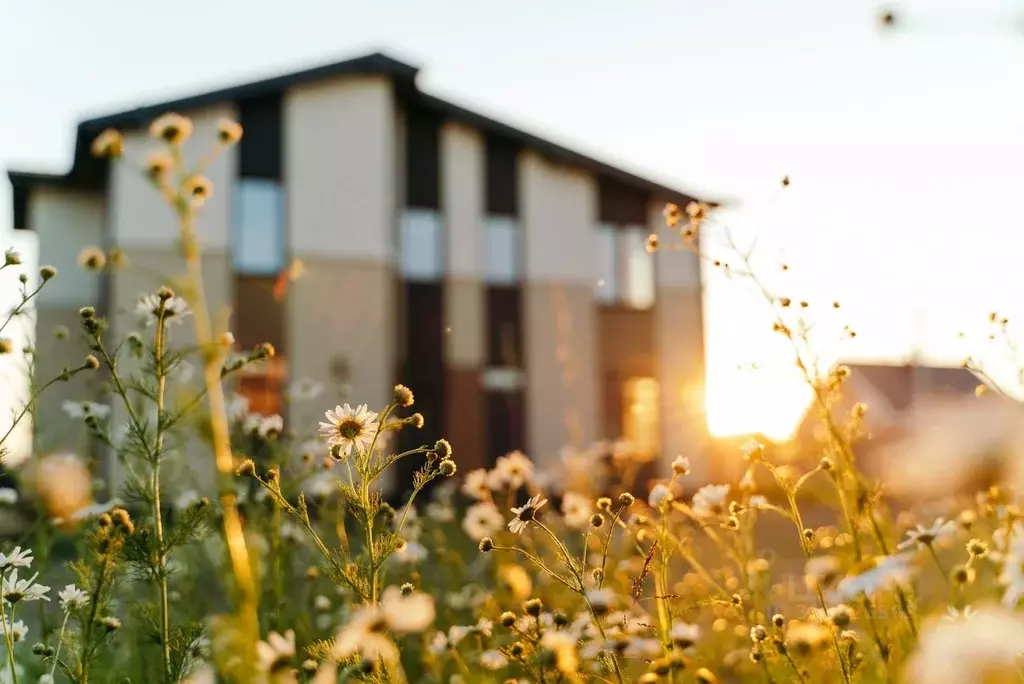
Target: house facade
502, 277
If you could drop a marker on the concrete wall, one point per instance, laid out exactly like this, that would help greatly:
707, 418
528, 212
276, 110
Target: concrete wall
558, 214
65, 222
340, 176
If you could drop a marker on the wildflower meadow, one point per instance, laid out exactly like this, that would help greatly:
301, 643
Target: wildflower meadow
311, 561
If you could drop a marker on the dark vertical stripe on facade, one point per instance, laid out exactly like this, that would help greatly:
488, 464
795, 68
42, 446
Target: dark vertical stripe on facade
502, 170
505, 413
19, 200
423, 368
621, 204
422, 157
260, 150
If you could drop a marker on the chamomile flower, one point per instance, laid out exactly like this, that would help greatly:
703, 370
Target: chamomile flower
18, 558
475, 485
350, 428
72, 597
525, 514
492, 660
18, 630
660, 494
512, 470
983, 648
923, 537
15, 590
276, 652
407, 614
173, 309
888, 570
576, 510
482, 520
710, 500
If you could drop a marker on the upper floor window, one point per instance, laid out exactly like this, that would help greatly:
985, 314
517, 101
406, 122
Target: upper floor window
625, 268
257, 232
421, 245
502, 255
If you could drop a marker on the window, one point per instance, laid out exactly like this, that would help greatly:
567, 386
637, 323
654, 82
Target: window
257, 233
501, 251
638, 284
625, 268
640, 424
421, 246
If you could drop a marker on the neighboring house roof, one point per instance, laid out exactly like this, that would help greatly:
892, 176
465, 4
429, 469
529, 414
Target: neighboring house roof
901, 384
87, 172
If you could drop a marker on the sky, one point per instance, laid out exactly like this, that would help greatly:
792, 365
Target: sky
903, 147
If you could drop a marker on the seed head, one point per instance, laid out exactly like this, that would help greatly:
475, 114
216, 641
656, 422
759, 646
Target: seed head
91, 362
197, 189
403, 396
246, 469
108, 145
626, 499
977, 548
47, 273
443, 449
486, 544
157, 165
533, 607
407, 589
11, 258
507, 619
604, 503
229, 132
171, 128
778, 620
447, 467
596, 520
92, 259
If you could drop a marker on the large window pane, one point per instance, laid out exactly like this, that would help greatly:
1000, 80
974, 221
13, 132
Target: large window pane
501, 251
421, 245
607, 283
257, 232
638, 288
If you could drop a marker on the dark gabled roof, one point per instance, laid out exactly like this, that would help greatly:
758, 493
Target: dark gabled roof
87, 172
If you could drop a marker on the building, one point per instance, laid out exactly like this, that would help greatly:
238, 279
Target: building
927, 430
501, 276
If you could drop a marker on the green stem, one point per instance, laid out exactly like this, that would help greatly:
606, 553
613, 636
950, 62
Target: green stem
60, 642
9, 637
165, 620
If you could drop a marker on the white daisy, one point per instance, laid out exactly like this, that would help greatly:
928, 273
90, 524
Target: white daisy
267, 427
410, 552
710, 500
276, 652
525, 514
512, 470
18, 630
72, 597
492, 660
475, 485
683, 634
984, 648
8, 496
888, 571
577, 510
174, 309
482, 520
305, 389
350, 428
922, 537
660, 493
18, 558
364, 635
15, 589
407, 614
